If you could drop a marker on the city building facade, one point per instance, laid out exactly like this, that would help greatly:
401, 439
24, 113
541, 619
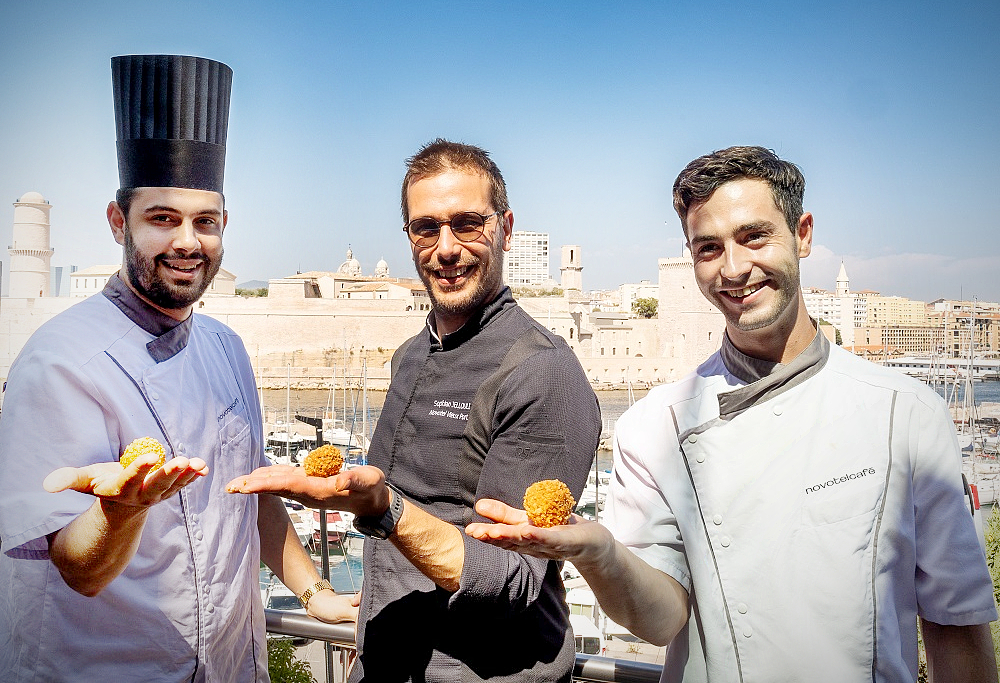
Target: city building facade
527, 261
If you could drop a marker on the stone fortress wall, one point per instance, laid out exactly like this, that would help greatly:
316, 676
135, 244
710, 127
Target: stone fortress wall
314, 330
309, 341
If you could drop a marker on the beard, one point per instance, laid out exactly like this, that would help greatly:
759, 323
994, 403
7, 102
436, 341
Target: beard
471, 296
144, 276
786, 281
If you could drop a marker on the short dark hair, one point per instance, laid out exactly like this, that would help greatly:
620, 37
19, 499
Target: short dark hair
703, 176
124, 198
440, 155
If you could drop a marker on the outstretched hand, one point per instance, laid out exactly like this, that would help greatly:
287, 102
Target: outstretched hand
361, 490
141, 484
579, 541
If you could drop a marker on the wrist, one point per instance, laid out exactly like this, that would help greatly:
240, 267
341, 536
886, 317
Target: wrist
120, 513
600, 552
382, 524
382, 502
306, 595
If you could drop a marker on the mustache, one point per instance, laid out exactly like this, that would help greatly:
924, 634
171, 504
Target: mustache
436, 264
197, 255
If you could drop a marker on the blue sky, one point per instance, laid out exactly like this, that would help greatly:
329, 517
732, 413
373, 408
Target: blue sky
589, 108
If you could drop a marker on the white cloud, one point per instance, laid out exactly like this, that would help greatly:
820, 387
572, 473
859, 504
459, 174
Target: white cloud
924, 277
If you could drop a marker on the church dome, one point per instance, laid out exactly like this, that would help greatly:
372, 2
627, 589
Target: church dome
351, 266
381, 268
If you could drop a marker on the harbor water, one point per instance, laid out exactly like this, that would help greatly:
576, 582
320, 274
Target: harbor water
324, 403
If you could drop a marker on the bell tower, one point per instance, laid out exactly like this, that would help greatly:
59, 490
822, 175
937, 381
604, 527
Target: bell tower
570, 269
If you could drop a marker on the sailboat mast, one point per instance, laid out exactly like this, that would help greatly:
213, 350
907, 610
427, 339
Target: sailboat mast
364, 402
288, 410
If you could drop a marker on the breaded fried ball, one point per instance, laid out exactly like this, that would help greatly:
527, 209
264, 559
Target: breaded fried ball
548, 503
325, 461
142, 446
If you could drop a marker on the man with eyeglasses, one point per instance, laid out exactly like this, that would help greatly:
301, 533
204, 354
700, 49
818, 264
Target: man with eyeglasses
483, 403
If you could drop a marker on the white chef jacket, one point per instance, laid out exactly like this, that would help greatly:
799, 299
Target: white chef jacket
811, 515
187, 607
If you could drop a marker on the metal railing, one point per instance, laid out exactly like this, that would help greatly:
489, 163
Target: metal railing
340, 637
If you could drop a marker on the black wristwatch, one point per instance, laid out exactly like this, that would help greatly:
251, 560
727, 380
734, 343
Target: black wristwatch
383, 525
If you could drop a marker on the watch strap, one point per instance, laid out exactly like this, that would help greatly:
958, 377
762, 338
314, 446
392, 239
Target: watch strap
382, 526
313, 590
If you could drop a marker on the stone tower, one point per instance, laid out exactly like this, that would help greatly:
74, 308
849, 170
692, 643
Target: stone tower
570, 270
30, 254
690, 328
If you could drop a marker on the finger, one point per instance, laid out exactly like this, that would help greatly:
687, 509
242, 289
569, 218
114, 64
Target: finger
186, 478
263, 483
500, 512
491, 533
175, 465
359, 478
67, 478
272, 470
273, 479
199, 466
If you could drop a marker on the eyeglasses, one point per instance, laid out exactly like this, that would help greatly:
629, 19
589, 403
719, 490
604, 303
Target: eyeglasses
466, 227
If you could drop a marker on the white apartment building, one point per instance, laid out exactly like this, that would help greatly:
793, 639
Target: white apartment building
895, 310
630, 291
527, 262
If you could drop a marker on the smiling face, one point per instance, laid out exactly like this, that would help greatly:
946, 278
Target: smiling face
173, 245
746, 262
461, 277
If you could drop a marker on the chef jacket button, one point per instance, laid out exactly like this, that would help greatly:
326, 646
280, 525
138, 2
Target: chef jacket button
208, 589
777, 410
693, 438
741, 608
155, 396
211, 608
198, 534
725, 541
717, 519
194, 517
747, 631
700, 457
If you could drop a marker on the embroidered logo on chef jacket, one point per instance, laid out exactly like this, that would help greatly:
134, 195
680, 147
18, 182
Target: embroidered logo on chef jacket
847, 478
232, 418
455, 410
228, 410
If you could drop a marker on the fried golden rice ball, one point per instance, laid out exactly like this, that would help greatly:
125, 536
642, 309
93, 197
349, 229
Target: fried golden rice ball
325, 461
548, 503
141, 447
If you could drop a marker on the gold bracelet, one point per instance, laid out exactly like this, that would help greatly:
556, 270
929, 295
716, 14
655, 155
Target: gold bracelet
312, 590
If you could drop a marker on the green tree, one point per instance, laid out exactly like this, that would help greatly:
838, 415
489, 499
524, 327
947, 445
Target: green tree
528, 292
645, 307
992, 529
283, 666
262, 291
